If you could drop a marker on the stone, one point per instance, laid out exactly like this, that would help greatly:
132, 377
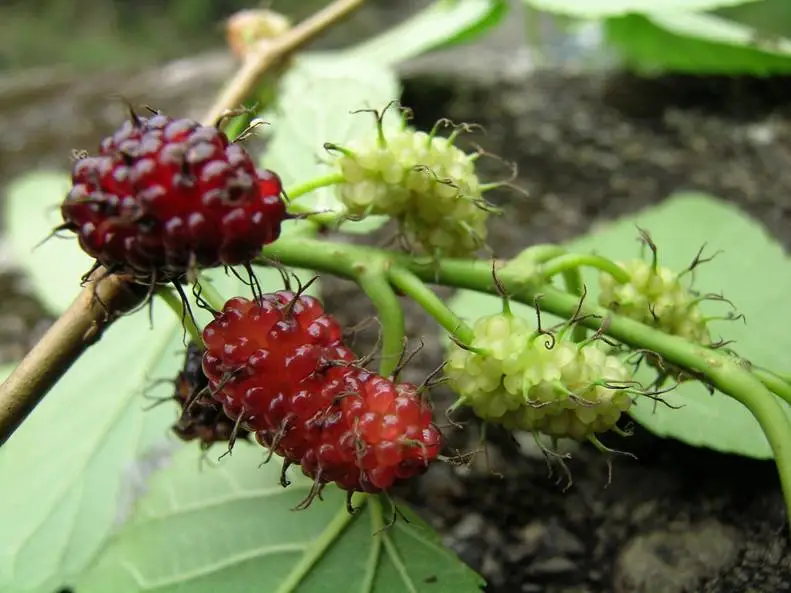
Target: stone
555, 566
675, 561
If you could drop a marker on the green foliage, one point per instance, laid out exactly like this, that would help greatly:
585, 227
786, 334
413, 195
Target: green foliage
756, 276
443, 23
693, 43
230, 525
70, 462
89, 433
772, 17
691, 36
609, 8
316, 102
31, 214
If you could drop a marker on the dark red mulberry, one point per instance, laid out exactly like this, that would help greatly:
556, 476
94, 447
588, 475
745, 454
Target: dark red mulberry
201, 417
165, 194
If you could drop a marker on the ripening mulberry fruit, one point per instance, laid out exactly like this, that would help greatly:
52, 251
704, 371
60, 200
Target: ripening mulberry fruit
279, 363
201, 418
656, 297
522, 379
164, 195
423, 181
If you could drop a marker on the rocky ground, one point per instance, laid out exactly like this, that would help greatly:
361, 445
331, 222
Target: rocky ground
589, 148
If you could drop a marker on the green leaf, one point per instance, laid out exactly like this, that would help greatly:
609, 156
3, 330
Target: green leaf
316, 100
230, 527
31, 213
443, 23
607, 8
67, 461
770, 16
689, 42
73, 463
753, 272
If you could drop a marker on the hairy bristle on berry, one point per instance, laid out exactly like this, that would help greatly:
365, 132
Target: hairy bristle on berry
166, 194
280, 364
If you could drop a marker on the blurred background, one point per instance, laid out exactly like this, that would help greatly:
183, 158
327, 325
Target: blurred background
99, 33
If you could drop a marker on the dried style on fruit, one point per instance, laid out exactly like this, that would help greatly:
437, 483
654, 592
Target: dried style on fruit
166, 195
279, 366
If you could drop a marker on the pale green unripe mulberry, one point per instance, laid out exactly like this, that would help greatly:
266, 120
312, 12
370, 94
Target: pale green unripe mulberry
421, 180
655, 296
513, 376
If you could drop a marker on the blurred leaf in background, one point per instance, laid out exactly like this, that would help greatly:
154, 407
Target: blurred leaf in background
739, 37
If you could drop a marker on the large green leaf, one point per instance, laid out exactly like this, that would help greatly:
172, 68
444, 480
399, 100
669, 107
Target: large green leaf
72, 460
230, 527
689, 42
315, 104
31, 213
607, 8
442, 23
753, 272
66, 463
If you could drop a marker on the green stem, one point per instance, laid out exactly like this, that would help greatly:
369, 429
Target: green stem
313, 184
541, 252
329, 219
173, 300
717, 368
320, 546
373, 281
573, 261
774, 382
415, 288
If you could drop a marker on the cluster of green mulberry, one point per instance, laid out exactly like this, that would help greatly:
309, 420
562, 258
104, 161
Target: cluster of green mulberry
510, 374
655, 296
423, 181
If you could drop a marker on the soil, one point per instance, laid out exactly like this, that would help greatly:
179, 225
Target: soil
590, 148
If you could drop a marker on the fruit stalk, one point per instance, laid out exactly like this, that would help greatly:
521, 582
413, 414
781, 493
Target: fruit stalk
574, 261
172, 300
85, 320
373, 281
414, 288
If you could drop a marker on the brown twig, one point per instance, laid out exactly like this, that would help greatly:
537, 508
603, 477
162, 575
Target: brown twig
275, 50
83, 323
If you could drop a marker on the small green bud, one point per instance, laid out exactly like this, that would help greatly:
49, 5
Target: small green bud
657, 298
423, 181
